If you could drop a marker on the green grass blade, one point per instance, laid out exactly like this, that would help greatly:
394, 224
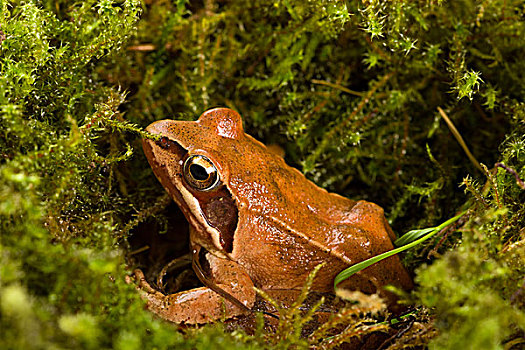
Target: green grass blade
411, 239
411, 236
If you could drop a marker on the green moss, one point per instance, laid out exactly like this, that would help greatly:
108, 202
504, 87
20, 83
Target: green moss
354, 87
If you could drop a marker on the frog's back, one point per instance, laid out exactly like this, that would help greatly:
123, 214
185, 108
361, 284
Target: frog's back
303, 225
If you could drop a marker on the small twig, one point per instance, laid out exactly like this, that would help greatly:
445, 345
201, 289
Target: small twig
142, 47
460, 140
519, 181
338, 87
140, 250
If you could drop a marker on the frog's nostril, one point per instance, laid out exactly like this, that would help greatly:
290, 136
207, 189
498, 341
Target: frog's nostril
164, 142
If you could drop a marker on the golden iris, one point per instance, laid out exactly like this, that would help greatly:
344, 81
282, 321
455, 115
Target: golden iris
200, 173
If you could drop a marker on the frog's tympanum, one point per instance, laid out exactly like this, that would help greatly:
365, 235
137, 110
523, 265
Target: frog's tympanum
255, 221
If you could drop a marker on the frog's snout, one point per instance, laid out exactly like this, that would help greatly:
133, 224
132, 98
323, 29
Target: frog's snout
160, 127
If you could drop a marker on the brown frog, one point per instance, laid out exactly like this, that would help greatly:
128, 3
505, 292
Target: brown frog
255, 221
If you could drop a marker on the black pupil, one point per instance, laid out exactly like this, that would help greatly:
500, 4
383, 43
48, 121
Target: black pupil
198, 172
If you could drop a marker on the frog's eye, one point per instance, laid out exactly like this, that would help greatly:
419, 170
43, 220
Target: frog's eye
200, 172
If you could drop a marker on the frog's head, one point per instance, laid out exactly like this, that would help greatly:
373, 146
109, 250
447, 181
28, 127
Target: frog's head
190, 161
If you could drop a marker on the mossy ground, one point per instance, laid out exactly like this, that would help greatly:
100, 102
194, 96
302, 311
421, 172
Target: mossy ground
350, 90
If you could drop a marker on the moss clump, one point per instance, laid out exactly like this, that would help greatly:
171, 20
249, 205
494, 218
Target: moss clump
354, 86
61, 268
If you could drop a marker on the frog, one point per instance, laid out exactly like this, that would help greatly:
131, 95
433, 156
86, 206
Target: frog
257, 222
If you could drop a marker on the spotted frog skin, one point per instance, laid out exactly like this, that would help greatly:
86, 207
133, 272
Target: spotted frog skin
255, 221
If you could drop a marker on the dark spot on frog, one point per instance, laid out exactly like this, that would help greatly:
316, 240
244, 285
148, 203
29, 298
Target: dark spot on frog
221, 213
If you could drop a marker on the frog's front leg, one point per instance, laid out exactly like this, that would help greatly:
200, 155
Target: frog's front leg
203, 305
